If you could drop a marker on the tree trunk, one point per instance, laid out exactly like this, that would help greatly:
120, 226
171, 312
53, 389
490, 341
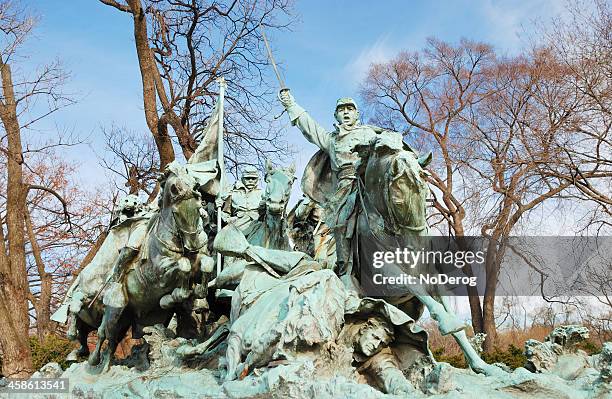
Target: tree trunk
14, 328
493, 262
473, 297
42, 304
148, 69
475, 310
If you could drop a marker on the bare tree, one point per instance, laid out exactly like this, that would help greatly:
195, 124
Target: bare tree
424, 95
581, 44
16, 360
182, 47
34, 215
55, 246
132, 158
513, 130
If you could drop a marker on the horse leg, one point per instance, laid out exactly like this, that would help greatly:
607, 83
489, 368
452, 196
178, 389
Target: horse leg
186, 325
448, 323
471, 356
109, 320
94, 357
474, 360
181, 292
115, 333
82, 330
73, 330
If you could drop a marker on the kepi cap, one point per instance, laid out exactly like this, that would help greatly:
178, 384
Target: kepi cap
346, 101
250, 171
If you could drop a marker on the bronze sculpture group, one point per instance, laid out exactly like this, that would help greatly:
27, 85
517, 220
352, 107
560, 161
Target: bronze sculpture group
290, 284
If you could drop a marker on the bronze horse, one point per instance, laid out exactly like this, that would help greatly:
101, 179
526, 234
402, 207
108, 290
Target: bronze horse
394, 194
270, 230
161, 279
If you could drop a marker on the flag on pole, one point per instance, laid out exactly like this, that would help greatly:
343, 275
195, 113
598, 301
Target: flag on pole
208, 157
207, 163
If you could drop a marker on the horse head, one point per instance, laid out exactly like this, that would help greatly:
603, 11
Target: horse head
408, 192
278, 189
402, 202
271, 229
182, 200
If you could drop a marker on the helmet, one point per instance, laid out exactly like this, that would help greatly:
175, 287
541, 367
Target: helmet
346, 101
250, 171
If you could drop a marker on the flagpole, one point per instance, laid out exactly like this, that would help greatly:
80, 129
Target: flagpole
220, 161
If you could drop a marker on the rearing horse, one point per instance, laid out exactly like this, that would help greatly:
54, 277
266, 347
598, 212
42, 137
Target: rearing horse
163, 274
394, 207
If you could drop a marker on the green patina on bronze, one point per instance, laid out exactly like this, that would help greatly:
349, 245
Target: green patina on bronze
296, 315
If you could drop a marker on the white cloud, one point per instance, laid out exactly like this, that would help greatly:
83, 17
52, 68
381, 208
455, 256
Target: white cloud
508, 21
357, 68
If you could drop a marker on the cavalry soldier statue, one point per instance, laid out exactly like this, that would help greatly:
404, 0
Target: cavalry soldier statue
241, 204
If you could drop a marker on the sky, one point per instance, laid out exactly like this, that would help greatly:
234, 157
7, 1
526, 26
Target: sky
324, 56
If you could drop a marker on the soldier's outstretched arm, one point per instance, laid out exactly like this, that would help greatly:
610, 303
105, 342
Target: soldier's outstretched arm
313, 132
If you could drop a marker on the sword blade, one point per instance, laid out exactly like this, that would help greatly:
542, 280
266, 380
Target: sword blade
278, 75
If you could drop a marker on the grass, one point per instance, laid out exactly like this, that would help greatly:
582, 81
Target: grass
508, 346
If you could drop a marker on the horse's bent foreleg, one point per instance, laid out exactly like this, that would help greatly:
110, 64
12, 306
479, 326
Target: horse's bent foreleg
448, 323
176, 297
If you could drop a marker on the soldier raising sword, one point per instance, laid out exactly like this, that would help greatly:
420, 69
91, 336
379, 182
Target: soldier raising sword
332, 175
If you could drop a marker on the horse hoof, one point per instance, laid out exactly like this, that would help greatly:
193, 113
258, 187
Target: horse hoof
489, 370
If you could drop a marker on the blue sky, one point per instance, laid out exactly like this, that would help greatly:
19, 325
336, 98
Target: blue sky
324, 56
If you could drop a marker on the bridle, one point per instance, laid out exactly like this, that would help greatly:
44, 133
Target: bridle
176, 230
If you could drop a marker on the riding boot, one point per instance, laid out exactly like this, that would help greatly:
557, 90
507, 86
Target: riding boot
344, 261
